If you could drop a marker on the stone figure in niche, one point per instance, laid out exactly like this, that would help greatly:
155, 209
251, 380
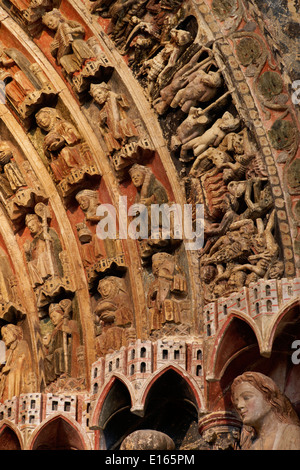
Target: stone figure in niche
149, 191
82, 61
269, 420
61, 345
42, 252
11, 179
90, 247
26, 86
17, 374
113, 315
161, 64
211, 137
165, 292
62, 144
115, 125
68, 47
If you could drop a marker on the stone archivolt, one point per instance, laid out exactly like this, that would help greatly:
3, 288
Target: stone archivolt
161, 102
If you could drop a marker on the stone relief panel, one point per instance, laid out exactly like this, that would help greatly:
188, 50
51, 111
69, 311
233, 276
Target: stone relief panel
81, 60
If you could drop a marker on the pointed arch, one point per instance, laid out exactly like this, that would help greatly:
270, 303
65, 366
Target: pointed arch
288, 313
58, 432
10, 436
103, 395
183, 374
219, 357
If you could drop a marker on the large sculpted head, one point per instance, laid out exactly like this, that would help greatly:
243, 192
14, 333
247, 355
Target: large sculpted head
256, 396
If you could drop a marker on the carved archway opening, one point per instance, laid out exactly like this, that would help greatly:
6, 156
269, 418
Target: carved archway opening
171, 407
9, 439
279, 365
58, 434
116, 420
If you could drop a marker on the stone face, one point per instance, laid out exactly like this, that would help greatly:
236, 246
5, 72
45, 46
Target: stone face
118, 118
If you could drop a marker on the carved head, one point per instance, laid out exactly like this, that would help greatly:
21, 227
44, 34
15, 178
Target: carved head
34, 224
60, 310
100, 92
46, 118
276, 270
208, 273
109, 286
52, 19
181, 37
229, 122
138, 173
56, 314
87, 198
163, 264
11, 333
256, 396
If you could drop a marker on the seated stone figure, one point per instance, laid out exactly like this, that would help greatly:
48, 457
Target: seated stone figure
62, 143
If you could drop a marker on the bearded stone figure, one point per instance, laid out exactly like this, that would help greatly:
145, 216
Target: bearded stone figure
269, 420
